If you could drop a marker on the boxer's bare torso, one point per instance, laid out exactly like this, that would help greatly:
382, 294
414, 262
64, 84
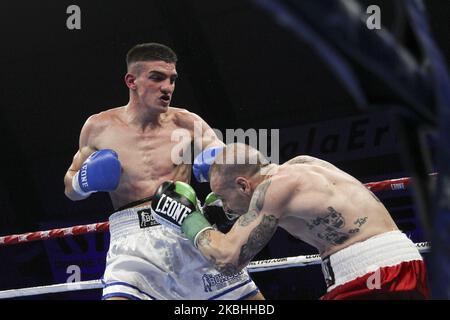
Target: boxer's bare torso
150, 138
328, 208
148, 156
310, 198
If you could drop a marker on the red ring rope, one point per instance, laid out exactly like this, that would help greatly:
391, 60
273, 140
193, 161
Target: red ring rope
392, 184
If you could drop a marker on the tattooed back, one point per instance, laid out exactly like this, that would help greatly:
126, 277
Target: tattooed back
328, 208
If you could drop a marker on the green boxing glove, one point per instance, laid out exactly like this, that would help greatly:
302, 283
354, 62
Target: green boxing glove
194, 224
172, 203
214, 213
175, 205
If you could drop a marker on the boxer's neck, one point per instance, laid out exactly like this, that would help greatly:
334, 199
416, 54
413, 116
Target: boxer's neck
267, 171
143, 117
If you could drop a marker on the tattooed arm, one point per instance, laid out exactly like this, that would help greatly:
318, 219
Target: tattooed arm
252, 231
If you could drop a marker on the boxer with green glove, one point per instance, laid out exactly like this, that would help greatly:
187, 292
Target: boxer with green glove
175, 205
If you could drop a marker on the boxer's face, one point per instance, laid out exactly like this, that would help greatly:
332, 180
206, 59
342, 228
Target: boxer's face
155, 83
235, 200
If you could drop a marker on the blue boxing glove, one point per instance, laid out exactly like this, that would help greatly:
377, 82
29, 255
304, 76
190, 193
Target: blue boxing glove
203, 161
100, 172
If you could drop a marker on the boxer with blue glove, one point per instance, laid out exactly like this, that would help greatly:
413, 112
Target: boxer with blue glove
141, 251
203, 161
100, 172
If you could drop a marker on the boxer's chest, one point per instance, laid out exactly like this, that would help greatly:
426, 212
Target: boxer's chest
149, 155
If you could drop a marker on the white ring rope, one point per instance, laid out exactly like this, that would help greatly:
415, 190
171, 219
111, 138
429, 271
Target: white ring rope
54, 288
303, 261
254, 266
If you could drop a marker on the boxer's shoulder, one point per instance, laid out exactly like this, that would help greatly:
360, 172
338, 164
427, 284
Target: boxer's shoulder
275, 193
301, 159
98, 123
105, 118
185, 118
308, 160
178, 112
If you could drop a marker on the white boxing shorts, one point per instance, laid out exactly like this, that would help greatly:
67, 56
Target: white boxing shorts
148, 261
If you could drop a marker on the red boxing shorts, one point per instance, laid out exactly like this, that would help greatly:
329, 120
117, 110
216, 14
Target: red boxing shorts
387, 266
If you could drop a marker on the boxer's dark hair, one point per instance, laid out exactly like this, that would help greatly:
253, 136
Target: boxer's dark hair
150, 52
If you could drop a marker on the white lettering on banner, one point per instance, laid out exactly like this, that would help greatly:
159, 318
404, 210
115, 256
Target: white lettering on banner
397, 186
341, 139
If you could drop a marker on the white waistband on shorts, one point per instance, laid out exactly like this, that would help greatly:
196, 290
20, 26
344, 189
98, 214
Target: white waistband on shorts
384, 250
127, 221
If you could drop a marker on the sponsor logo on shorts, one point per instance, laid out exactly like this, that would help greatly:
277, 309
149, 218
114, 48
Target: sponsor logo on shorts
213, 282
327, 271
146, 219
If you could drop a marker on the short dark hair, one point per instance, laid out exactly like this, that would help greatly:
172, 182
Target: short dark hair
151, 52
238, 159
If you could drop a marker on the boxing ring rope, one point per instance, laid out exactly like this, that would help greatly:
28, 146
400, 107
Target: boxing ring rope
54, 233
254, 266
304, 261
55, 288
391, 184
